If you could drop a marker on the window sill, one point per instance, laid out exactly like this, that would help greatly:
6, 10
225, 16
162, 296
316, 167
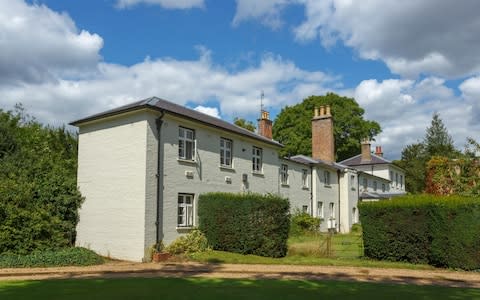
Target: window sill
327, 186
305, 188
187, 161
226, 168
259, 174
285, 185
180, 228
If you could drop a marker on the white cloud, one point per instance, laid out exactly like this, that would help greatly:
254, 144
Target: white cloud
470, 89
268, 11
404, 109
169, 4
38, 44
432, 37
211, 111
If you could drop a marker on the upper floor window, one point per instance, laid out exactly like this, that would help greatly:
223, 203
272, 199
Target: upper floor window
284, 174
326, 177
256, 159
185, 210
226, 146
304, 178
352, 182
186, 143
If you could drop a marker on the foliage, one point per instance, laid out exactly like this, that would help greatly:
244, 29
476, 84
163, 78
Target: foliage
441, 231
38, 194
459, 176
437, 142
302, 223
244, 124
292, 127
194, 241
413, 161
245, 223
49, 258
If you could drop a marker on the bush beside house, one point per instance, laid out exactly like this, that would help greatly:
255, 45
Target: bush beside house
440, 231
245, 223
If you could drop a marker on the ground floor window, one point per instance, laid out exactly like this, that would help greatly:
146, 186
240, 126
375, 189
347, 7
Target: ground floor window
185, 210
305, 209
320, 209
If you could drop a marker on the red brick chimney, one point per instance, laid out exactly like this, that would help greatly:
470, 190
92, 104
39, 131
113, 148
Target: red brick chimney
366, 154
323, 142
265, 125
378, 151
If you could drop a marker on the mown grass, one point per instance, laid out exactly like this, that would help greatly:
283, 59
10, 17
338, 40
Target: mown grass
203, 288
310, 249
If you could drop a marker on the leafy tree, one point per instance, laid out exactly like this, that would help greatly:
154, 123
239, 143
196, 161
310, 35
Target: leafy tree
38, 194
413, 161
437, 140
292, 127
244, 124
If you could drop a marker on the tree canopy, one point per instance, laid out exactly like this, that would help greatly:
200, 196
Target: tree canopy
437, 142
244, 124
38, 193
292, 127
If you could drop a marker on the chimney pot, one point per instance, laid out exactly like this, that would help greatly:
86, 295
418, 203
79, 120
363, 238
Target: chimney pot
327, 110
315, 112
322, 110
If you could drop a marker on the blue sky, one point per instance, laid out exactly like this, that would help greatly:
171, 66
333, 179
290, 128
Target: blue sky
401, 60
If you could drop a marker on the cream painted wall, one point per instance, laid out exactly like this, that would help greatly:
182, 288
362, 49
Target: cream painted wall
111, 177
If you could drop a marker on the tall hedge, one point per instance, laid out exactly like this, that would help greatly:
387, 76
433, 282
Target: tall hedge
245, 223
440, 231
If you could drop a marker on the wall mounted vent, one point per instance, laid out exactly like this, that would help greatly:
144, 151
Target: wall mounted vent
228, 179
189, 174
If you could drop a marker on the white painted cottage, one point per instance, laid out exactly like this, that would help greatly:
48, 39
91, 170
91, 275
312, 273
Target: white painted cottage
142, 166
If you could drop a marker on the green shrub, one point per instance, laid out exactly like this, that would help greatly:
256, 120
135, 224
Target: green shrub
194, 241
50, 258
245, 223
302, 223
441, 231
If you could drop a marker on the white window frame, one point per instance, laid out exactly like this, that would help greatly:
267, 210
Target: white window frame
305, 178
332, 210
354, 215
185, 210
365, 184
257, 154
186, 143
326, 177
226, 153
320, 209
284, 174
305, 209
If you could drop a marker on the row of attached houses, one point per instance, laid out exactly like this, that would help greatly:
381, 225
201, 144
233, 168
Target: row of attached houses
141, 168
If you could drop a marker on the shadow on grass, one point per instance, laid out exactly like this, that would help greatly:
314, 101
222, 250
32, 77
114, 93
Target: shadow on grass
206, 288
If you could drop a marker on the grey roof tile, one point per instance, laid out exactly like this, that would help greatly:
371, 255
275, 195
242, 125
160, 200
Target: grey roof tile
156, 103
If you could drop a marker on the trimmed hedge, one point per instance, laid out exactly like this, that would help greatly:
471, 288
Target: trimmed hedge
440, 231
51, 258
245, 223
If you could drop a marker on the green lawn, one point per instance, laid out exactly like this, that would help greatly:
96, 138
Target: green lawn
346, 250
200, 288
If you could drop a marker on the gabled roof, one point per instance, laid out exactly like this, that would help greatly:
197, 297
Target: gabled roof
307, 160
158, 104
357, 161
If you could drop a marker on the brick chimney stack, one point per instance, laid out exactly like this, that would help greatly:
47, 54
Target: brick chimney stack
366, 154
265, 125
378, 151
323, 142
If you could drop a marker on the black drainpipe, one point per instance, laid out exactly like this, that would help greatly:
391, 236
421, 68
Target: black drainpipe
159, 175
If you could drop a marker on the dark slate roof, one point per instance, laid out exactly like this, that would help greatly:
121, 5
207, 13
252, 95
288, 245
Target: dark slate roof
307, 160
357, 161
175, 109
